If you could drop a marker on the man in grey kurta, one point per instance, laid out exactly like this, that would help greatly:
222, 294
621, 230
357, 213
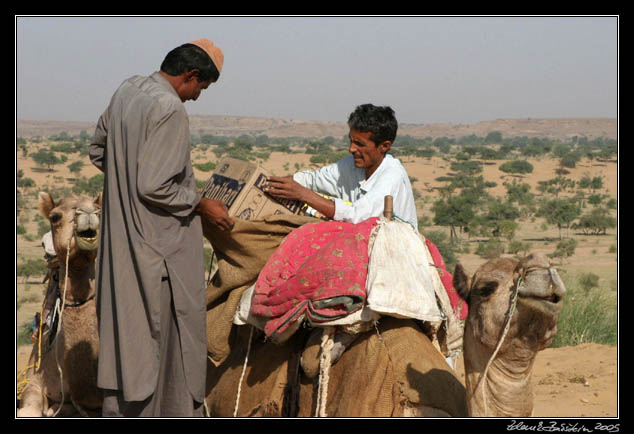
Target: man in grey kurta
150, 275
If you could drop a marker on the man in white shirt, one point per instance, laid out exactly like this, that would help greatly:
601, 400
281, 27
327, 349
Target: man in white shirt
364, 178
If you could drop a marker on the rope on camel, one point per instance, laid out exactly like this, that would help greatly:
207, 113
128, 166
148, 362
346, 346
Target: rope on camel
22, 383
509, 315
327, 342
244, 369
59, 326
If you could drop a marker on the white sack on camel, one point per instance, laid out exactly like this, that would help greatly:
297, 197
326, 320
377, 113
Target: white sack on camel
402, 280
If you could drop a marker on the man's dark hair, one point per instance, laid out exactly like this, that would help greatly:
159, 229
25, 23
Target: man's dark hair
380, 121
187, 57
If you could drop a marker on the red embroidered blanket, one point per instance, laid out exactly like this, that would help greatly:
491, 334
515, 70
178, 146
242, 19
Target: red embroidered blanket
319, 270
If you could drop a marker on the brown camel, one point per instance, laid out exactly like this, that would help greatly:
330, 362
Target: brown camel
513, 310
390, 368
75, 226
393, 369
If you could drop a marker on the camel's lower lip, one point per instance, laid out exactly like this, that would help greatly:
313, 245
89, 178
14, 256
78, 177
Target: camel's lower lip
552, 293
552, 298
550, 303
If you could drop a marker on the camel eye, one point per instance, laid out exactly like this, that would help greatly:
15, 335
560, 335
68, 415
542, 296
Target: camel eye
55, 218
486, 288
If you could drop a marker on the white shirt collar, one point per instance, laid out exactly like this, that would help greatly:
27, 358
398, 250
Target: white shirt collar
367, 184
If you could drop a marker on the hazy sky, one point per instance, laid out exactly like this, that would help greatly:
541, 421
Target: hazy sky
429, 69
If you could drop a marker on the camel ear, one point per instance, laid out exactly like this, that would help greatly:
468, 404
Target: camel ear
98, 200
462, 282
46, 203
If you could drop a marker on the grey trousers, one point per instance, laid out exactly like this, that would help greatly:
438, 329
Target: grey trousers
171, 397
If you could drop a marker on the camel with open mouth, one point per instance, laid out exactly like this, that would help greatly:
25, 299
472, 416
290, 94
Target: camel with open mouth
64, 359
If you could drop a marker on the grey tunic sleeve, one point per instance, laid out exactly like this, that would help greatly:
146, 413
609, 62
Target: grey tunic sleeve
97, 147
164, 167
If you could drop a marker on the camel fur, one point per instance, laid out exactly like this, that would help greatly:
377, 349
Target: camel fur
392, 370
75, 225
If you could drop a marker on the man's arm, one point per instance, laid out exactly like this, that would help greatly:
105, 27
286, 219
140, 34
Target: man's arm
287, 188
98, 145
369, 205
162, 166
327, 179
305, 185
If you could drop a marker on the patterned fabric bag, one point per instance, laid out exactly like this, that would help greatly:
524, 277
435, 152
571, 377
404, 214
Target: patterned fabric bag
318, 273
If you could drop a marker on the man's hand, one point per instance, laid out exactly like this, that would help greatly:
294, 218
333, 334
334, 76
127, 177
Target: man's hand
286, 188
215, 212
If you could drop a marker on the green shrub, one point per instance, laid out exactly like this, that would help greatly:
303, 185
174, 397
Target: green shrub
29, 298
588, 281
91, 187
596, 222
328, 157
25, 182
517, 166
64, 147
42, 228
490, 249
515, 247
587, 317
32, 267
205, 167
565, 249
24, 332
443, 244
470, 168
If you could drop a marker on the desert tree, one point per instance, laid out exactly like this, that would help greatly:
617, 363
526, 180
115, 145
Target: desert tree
596, 222
560, 212
75, 167
46, 158
454, 212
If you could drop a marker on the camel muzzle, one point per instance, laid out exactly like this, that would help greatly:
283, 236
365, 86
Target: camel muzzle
543, 288
87, 229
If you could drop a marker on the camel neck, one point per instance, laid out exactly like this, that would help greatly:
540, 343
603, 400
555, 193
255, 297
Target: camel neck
81, 283
506, 391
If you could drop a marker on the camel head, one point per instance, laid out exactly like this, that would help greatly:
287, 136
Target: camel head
490, 293
74, 220
499, 352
